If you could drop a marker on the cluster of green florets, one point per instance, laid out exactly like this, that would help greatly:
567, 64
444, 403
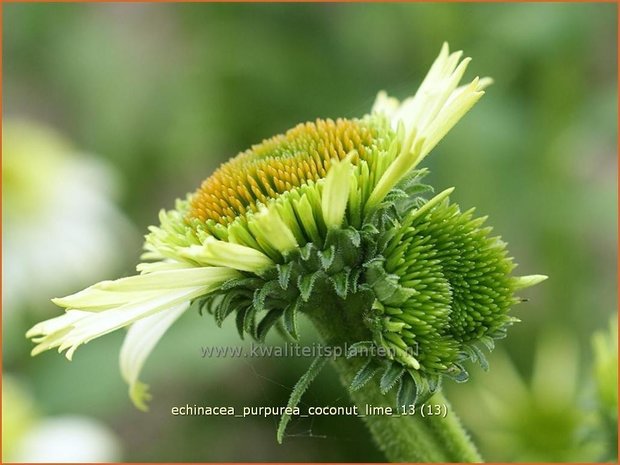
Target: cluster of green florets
448, 296
432, 288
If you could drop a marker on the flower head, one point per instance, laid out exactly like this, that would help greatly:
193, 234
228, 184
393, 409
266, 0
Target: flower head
327, 212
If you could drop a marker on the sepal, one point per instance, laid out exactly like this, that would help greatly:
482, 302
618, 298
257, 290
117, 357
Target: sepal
365, 374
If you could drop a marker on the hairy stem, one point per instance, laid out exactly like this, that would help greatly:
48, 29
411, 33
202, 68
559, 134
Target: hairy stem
406, 438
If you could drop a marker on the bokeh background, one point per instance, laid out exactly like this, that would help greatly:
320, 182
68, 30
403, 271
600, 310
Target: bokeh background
112, 111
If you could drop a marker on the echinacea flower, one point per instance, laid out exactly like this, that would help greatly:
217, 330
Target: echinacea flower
326, 216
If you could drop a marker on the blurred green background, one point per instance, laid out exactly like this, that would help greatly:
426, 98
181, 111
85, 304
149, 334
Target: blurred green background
160, 94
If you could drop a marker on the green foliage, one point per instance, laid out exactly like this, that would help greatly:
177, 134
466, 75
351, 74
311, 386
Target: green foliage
300, 387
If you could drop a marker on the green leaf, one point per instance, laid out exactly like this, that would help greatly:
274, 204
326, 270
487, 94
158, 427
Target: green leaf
391, 376
249, 321
499, 333
327, 257
267, 322
250, 283
400, 296
369, 229
482, 360
283, 332
434, 383
459, 373
407, 392
341, 283
298, 391
290, 319
306, 284
396, 194
361, 346
239, 319
223, 308
305, 252
470, 352
284, 274
349, 247
418, 189
374, 271
365, 374
353, 236
205, 303
488, 342
412, 180
354, 277
260, 296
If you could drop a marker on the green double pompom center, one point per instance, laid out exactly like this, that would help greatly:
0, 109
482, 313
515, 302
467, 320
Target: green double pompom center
427, 282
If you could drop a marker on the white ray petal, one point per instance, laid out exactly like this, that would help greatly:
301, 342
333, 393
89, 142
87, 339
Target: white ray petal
426, 117
239, 257
106, 294
90, 316
139, 342
92, 325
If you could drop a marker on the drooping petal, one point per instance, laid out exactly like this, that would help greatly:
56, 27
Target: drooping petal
90, 316
139, 342
96, 324
108, 294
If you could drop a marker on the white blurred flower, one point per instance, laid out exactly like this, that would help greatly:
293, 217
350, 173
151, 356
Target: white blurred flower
59, 224
68, 439
27, 437
18, 414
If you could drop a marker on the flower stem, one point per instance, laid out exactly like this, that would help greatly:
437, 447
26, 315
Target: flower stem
406, 438
450, 432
